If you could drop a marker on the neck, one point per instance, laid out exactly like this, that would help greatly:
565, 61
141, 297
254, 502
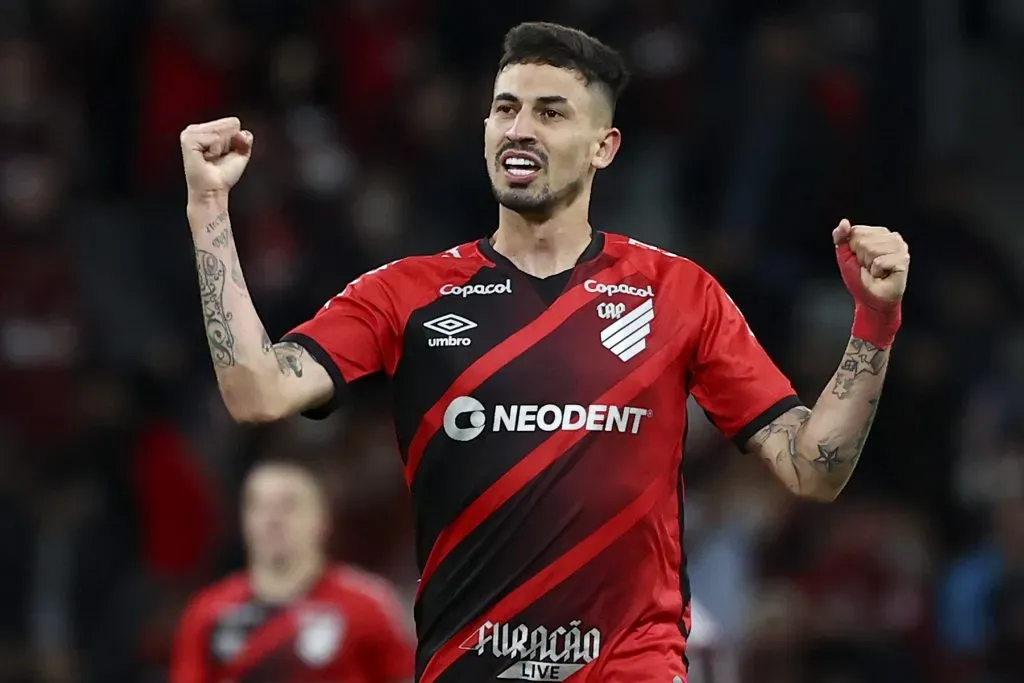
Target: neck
544, 246
285, 581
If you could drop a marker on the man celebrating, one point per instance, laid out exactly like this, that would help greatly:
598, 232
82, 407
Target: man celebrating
291, 617
540, 380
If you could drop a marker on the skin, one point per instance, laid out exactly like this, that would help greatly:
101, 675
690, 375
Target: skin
543, 224
814, 452
543, 227
284, 524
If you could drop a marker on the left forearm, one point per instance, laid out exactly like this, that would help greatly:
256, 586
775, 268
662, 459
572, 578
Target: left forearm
828, 445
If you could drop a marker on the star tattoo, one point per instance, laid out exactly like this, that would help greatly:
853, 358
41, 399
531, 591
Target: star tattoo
828, 458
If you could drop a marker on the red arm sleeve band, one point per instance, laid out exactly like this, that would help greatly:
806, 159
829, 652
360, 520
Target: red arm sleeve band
734, 380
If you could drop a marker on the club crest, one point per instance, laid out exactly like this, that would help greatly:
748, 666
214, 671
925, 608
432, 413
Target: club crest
320, 636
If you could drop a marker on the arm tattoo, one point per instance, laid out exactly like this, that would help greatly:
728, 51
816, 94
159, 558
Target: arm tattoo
221, 218
815, 456
828, 458
222, 239
787, 426
289, 358
216, 320
831, 459
862, 358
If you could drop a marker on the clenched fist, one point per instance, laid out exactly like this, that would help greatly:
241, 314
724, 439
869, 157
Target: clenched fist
215, 154
874, 263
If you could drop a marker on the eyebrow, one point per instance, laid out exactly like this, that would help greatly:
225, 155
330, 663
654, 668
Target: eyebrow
545, 99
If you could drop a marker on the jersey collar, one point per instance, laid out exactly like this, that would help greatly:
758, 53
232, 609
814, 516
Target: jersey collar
592, 251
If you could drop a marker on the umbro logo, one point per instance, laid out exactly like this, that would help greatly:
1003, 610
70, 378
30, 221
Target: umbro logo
627, 336
450, 326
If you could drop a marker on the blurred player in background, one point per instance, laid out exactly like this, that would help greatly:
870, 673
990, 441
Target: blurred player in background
292, 617
540, 380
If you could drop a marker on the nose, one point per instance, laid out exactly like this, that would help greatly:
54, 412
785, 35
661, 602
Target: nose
522, 129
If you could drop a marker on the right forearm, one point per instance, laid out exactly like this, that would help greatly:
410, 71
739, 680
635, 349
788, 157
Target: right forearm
243, 357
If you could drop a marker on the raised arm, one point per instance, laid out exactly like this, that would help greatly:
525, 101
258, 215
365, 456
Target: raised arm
814, 451
259, 381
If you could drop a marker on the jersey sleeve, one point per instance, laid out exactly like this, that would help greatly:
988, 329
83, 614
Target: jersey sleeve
355, 334
734, 380
189, 663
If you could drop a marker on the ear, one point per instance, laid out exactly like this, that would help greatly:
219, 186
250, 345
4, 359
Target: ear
607, 148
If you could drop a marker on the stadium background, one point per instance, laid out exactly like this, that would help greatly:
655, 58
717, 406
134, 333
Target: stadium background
751, 127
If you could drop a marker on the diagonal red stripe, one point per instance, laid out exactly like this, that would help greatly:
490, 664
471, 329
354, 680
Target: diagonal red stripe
540, 458
266, 639
504, 353
552, 575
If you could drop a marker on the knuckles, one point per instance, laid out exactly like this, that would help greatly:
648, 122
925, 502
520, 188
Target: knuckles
871, 242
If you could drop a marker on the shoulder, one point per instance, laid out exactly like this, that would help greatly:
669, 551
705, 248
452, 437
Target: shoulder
204, 605
362, 585
369, 593
659, 265
420, 272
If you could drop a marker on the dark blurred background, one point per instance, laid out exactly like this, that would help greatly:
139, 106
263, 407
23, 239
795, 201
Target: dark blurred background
751, 128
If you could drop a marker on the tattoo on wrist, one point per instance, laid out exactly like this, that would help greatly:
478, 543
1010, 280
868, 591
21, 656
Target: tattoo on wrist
861, 358
289, 358
216, 320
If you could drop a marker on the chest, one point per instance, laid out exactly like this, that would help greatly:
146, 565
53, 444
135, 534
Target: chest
302, 643
493, 358
500, 328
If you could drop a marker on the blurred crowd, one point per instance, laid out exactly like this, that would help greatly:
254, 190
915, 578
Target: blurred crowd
751, 127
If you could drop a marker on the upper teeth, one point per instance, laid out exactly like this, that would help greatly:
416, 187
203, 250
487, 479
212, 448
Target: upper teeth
519, 161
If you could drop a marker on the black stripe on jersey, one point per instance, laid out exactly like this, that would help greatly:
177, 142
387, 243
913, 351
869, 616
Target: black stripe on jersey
321, 356
765, 419
438, 497
593, 595
564, 510
424, 374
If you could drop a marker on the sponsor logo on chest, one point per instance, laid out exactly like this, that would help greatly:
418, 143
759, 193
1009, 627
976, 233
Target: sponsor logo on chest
466, 418
464, 291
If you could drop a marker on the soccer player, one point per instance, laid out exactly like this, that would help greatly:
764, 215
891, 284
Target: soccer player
292, 617
540, 379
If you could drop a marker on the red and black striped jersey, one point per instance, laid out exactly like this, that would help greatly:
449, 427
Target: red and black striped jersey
347, 627
542, 442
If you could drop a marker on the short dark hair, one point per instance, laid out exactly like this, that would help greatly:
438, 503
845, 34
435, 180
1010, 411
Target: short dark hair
541, 42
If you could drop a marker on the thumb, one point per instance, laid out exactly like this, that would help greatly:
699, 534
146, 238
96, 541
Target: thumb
841, 234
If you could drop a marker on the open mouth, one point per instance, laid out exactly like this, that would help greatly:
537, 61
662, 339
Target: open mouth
519, 166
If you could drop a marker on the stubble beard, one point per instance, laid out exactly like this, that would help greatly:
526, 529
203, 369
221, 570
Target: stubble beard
541, 203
